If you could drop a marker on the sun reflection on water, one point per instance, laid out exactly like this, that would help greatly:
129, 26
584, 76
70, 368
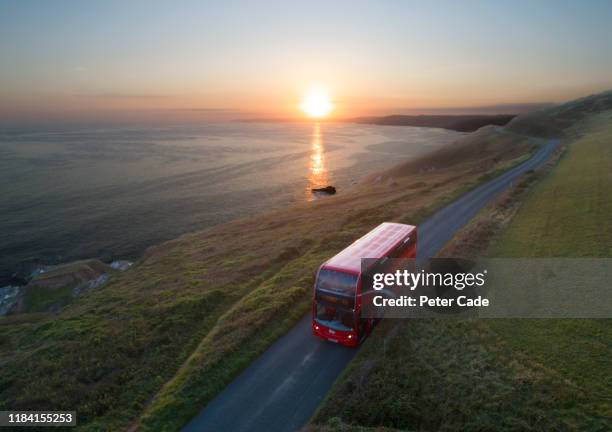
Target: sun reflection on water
318, 176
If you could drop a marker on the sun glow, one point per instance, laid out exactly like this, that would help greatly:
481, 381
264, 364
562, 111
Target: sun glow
316, 103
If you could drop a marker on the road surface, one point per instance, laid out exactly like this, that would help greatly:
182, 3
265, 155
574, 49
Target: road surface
280, 390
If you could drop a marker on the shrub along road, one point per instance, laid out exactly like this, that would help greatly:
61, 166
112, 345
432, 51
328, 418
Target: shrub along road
282, 388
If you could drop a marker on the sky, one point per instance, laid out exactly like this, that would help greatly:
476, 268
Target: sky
258, 58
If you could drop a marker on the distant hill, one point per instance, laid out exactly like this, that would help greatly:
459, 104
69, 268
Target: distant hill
551, 122
486, 146
460, 123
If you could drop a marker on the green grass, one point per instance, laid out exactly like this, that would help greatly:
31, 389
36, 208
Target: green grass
39, 300
242, 333
578, 350
447, 375
568, 214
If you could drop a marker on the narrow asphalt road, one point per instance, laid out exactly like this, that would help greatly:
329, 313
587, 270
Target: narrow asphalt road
280, 391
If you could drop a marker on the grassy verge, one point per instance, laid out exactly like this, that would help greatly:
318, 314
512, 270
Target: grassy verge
501, 374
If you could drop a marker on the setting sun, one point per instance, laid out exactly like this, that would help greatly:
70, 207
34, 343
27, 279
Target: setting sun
316, 103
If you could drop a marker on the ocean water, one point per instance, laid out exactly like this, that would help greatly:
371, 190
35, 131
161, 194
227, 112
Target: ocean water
113, 192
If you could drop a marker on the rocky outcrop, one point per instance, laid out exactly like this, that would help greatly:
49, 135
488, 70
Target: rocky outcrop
70, 274
52, 287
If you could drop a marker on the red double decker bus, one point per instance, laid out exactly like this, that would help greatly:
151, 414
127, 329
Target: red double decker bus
336, 309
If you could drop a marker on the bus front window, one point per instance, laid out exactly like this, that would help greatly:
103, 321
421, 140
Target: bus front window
337, 282
335, 318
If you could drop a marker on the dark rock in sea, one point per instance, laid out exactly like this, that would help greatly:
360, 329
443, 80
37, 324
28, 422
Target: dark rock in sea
327, 189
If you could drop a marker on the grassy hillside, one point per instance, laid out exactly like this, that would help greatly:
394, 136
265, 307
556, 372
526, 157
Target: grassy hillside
562, 119
151, 346
504, 374
569, 214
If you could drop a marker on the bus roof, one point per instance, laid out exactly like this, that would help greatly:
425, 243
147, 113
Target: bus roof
375, 244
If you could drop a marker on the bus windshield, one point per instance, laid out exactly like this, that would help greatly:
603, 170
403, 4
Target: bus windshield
337, 282
335, 318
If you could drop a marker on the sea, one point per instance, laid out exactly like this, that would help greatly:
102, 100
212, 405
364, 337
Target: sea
111, 192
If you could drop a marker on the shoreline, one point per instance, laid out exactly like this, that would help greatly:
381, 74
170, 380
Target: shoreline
452, 122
